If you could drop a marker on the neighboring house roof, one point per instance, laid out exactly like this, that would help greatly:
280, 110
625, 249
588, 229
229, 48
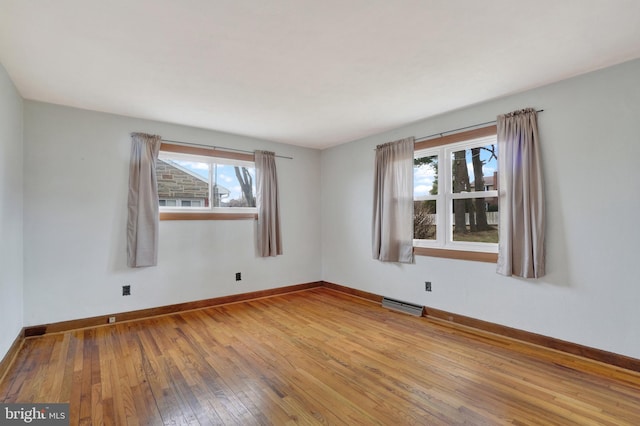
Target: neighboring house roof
223, 191
488, 181
184, 169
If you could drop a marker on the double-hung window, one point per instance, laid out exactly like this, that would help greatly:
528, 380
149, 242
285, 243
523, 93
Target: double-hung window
201, 183
456, 196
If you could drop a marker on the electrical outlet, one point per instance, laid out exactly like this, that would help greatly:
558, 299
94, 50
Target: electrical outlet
427, 286
112, 320
126, 290
238, 276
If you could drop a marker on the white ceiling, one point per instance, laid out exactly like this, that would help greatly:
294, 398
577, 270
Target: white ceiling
313, 73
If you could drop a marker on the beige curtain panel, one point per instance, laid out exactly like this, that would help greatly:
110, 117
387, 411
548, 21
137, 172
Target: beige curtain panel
392, 227
522, 220
142, 221
269, 239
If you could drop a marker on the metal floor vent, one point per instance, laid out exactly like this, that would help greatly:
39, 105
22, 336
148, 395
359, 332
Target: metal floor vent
407, 308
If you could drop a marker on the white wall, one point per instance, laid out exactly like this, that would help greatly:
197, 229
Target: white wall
11, 201
590, 135
76, 174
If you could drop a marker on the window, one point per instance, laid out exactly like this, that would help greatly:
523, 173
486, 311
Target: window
202, 183
456, 196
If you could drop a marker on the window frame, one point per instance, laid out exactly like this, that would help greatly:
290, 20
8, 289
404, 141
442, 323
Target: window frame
442, 247
229, 213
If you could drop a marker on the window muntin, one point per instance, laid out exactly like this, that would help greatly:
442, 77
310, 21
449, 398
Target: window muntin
194, 183
449, 211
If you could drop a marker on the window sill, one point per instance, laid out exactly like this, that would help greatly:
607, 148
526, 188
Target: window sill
207, 216
457, 254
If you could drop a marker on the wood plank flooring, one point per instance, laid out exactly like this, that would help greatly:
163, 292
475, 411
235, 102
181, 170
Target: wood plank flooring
313, 357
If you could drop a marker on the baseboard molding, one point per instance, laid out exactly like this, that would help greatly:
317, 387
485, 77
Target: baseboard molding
354, 292
514, 333
57, 327
7, 360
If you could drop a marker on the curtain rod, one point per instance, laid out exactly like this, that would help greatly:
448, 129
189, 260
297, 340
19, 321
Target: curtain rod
441, 134
217, 147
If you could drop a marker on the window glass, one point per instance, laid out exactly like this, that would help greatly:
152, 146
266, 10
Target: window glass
188, 182
456, 199
182, 183
474, 169
425, 175
424, 220
475, 220
234, 185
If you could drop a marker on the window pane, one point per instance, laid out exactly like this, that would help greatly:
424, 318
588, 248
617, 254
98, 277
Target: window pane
475, 220
424, 220
181, 183
474, 165
425, 176
234, 186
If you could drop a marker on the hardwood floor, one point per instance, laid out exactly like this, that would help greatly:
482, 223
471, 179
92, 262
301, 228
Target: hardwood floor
313, 357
